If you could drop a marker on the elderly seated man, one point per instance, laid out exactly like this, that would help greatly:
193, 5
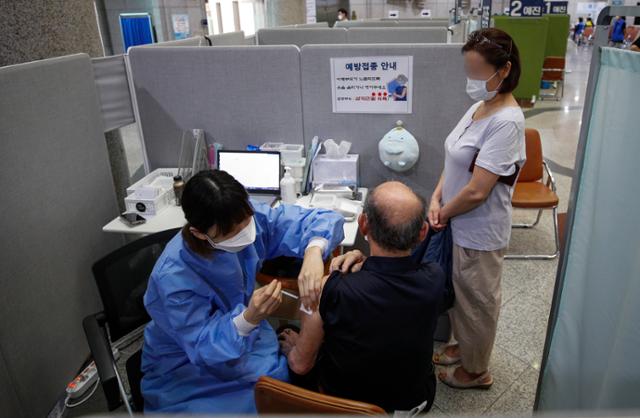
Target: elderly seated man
372, 338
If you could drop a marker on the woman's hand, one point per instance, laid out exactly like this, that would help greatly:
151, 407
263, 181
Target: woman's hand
264, 302
436, 220
288, 339
349, 262
310, 278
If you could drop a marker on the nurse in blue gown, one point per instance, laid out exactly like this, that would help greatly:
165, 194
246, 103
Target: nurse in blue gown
208, 341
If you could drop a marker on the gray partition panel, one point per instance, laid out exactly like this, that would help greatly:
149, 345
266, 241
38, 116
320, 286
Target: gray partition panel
238, 95
300, 37
396, 35
229, 38
194, 41
113, 92
439, 101
366, 23
423, 23
57, 193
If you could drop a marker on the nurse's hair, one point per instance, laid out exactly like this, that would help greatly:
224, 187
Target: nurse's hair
213, 197
497, 48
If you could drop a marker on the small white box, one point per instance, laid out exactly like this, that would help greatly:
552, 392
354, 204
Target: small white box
288, 152
271, 146
150, 207
291, 152
149, 178
296, 166
343, 171
145, 203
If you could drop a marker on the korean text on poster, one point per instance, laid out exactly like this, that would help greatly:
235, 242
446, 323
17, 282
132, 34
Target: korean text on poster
372, 84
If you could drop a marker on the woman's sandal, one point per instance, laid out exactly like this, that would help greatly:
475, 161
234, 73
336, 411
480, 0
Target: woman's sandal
447, 376
441, 358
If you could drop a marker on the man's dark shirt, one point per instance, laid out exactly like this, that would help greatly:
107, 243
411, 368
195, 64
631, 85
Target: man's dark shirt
379, 325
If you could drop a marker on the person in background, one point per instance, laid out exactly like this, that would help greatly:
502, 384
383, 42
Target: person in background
208, 340
343, 15
483, 154
635, 46
618, 30
589, 23
372, 338
578, 29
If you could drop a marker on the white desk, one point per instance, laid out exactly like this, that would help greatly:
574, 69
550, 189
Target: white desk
173, 217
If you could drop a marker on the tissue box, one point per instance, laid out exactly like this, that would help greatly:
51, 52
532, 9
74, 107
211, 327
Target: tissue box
327, 170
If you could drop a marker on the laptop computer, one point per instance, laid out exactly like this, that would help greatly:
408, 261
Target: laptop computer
258, 171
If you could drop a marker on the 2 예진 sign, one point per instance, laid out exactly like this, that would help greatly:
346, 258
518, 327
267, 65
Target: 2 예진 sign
526, 8
372, 84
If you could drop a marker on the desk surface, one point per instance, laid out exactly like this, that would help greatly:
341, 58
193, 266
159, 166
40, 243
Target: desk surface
173, 217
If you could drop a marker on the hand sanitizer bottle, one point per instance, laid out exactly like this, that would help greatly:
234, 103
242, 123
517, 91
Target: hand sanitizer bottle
288, 187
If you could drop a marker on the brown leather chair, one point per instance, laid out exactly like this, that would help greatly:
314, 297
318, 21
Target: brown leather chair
531, 193
277, 397
553, 72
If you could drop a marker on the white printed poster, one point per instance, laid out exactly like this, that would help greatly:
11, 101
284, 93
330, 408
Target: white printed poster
180, 26
372, 84
311, 11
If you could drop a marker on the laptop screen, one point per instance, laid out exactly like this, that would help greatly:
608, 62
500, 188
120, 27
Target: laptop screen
256, 171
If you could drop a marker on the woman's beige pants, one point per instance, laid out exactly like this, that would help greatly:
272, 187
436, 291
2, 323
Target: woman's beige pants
474, 315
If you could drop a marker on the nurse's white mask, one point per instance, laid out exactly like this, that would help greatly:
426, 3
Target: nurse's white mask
398, 149
238, 242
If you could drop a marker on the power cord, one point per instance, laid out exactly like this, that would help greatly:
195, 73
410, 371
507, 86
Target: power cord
86, 398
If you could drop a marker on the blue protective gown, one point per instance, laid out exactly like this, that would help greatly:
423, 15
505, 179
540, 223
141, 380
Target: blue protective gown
193, 358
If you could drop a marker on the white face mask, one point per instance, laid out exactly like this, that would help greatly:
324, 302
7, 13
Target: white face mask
238, 242
477, 89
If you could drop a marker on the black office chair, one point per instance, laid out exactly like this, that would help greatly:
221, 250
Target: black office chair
122, 278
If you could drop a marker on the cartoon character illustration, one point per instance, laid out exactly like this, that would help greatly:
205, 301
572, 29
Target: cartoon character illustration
398, 149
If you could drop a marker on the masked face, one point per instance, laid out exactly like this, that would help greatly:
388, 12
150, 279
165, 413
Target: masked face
238, 242
477, 89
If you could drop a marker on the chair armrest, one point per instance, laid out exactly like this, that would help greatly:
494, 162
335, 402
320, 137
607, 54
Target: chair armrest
550, 179
95, 331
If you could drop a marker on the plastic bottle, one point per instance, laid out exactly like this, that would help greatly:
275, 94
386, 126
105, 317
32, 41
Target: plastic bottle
178, 187
288, 187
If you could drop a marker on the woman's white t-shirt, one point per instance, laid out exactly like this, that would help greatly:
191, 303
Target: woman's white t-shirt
499, 141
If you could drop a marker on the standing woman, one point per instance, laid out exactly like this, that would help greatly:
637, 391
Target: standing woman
483, 155
208, 341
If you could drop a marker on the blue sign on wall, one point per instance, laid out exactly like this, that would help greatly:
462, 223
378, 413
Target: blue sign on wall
486, 14
556, 7
526, 8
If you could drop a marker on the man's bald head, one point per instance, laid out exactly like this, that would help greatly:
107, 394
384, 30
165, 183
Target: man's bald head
395, 215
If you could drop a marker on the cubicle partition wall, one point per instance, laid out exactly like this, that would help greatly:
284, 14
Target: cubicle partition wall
397, 35
57, 192
250, 95
439, 101
365, 23
530, 34
300, 37
557, 35
392, 23
193, 41
355, 35
238, 95
228, 39
308, 25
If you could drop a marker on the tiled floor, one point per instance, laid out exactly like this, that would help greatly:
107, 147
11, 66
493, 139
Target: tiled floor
528, 285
